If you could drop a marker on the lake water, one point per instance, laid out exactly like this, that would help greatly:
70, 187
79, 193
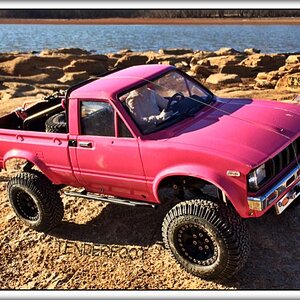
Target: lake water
112, 38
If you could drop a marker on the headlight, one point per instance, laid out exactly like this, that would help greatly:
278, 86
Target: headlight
256, 177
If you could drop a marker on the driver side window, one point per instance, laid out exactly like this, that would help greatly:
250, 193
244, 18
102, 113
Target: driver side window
97, 118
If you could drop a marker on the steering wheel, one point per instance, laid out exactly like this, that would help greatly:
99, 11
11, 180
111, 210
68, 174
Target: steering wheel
176, 97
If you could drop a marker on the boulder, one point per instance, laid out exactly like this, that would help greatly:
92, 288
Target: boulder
293, 59
129, 60
290, 82
201, 70
250, 51
30, 65
199, 55
70, 78
266, 62
241, 71
184, 66
170, 59
221, 61
262, 75
64, 51
266, 80
53, 72
289, 69
122, 52
92, 67
111, 61
175, 51
265, 84
226, 51
20, 66
221, 78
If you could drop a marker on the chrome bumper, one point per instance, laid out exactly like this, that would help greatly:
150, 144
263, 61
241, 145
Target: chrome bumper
289, 183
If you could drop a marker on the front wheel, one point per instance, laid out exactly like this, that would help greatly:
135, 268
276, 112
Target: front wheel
208, 239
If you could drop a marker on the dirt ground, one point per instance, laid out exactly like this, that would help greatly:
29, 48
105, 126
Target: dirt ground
106, 246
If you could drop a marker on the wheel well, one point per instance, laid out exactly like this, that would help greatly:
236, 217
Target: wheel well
188, 187
17, 164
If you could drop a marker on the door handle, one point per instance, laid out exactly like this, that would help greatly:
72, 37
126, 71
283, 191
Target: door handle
85, 144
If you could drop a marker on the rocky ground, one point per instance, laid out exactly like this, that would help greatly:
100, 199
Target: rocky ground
105, 246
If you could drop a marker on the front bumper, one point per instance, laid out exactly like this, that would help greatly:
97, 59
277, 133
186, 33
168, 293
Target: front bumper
284, 192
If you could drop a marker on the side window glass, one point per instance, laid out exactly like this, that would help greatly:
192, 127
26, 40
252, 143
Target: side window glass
123, 131
97, 118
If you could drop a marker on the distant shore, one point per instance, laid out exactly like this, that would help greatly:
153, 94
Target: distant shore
159, 21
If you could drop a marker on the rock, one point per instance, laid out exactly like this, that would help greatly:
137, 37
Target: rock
250, 51
226, 51
111, 61
171, 59
267, 62
30, 65
290, 82
7, 56
122, 52
221, 78
262, 75
64, 51
200, 54
74, 77
289, 69
293, 59
92, 67
221, 61
265, 84
201, 70
131, 60
19, 66
241, 71
175, 51
266, 80
53, 72
182, 66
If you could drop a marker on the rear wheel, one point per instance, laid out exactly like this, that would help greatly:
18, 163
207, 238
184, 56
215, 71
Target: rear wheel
35, 201
208, 239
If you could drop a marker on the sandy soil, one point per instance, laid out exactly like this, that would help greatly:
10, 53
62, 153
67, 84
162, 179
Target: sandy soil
105, 246
186, 21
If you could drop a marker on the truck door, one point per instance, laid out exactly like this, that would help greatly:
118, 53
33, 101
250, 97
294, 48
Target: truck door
108, 156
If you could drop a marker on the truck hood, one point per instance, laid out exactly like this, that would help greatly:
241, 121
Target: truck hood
246, 130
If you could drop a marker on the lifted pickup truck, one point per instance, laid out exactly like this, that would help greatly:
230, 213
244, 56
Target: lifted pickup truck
132, 135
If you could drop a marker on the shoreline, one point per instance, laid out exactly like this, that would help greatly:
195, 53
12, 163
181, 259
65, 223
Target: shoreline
158, 21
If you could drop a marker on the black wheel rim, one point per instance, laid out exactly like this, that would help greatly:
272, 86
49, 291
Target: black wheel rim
196, 244
25, 205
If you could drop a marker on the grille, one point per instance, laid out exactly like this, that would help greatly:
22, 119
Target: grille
283, 159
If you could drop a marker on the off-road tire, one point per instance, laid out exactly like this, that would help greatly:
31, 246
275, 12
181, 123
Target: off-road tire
56, 123
213, 228
35, 200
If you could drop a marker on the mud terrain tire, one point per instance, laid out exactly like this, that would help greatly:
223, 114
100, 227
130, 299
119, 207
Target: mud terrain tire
35, 201
208, 239
56, 123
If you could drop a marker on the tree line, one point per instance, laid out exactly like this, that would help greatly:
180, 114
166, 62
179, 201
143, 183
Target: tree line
146, 13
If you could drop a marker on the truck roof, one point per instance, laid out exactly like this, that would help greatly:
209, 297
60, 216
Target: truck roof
114, 83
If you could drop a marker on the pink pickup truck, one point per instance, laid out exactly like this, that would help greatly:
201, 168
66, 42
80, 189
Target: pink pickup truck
134, 136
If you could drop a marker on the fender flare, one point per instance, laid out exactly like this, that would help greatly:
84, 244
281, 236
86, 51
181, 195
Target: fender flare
29, 156
208, 174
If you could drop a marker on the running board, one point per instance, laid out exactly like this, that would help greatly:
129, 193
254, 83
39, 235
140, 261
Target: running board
84, 194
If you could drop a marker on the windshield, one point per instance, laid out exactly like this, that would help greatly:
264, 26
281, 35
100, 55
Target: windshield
165, 101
